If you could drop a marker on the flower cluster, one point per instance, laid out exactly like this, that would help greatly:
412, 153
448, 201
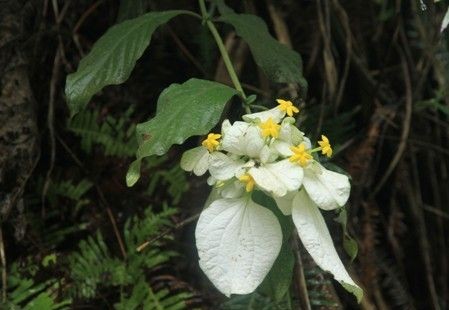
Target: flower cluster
238, 240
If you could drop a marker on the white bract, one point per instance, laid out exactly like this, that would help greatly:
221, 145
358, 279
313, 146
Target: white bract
239, 240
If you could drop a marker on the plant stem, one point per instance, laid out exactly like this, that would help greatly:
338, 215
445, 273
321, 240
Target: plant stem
224, 53
299, 276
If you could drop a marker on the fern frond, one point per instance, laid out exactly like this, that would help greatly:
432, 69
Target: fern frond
256, 301
70, 189
24, 293
94, 266
91, 266
111, 134
174, 179
138, 230
143, 296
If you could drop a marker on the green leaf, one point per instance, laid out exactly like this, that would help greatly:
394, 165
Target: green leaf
222, 7
250, 99
133, 174
279, 63
349, 244
113, 57
183, 110
278, 280
357, 291
269, 203
49, 259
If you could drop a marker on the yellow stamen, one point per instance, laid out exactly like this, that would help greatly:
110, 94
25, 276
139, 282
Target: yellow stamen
211, 142
287, 107
301, 156
249, 181
325, 146
270, 128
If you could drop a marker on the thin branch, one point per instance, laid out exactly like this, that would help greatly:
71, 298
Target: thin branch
51, 126
103, 200
85, 15
406, 126
224, 53
177, 226
300, 278
112, 220
348, 47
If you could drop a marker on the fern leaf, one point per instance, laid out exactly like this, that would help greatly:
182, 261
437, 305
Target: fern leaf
143, 297
111, 134
24, 293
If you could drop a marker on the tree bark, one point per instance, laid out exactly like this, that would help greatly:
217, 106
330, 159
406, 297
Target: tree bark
19, 147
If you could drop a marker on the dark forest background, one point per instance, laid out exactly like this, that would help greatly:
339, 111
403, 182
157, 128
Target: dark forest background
378, 76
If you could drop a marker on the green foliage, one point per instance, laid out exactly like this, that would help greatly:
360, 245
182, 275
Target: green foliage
113, 134
24, 293
278, 281
64, 195
437, 104
113, 57
143, 295
70, 190
94, 267
174, 180
349, 244
279, 63
257, 301
183, 110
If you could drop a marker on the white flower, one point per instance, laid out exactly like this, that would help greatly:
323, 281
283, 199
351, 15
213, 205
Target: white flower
245, 139
289, 135
196, 160
315, 237
242, 138
224, 167
278, 178
328, 189
238, 242
276, 114
285, 107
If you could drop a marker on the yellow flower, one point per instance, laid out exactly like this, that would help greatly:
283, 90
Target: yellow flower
325, 146
211, 142
301, 156
249, 181
270, 128
287, 106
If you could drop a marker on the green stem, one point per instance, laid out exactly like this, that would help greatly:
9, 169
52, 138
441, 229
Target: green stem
260, 107
186, 12
224, 53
